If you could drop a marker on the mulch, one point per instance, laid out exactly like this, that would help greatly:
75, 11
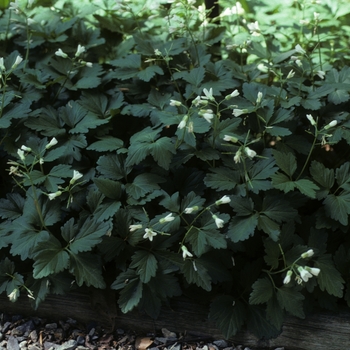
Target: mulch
34, 333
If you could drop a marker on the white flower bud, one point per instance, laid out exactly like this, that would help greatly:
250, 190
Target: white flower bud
60, 53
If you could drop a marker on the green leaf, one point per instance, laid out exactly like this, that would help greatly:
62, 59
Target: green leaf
306, 187
229, 315
259, 325
342, 174
242, 227
262, 291
24, 243
12, 207
192, 200
222, 179
143, 184
274, 313
273, 253
89, 235
196, 273
338, 207
112, 167
86, 268
145, 264
171, 203
106, 144
47, 121
269, 227
111, 189
50, 258
202, 240
278, 209
243, 206
130, 295
323, 176
329, 278
150, 302
291, 300
195, 76
338, 96
286, 162
162, 151
149, 72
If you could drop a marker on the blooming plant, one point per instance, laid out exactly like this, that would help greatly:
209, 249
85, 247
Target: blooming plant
148, 144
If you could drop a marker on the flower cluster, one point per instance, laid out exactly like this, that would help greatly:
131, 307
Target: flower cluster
303, 273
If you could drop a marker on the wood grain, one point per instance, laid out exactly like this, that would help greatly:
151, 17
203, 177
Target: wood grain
321, 331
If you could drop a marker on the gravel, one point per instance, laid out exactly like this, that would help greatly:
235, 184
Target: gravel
19, 333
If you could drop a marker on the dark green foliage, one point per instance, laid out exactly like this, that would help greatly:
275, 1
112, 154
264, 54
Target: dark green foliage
153, 151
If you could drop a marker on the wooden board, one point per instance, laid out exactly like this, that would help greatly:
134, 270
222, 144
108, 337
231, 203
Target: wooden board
322, 331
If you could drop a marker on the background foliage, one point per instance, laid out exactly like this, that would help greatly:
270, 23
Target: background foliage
151, 149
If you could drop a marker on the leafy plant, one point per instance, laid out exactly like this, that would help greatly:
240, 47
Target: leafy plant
160, 152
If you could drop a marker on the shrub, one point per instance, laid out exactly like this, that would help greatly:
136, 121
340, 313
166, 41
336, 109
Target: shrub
145, 144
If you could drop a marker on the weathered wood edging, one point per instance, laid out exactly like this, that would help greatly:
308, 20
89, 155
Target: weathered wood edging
321, 331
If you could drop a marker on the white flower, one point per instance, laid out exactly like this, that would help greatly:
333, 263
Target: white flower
304, 274
304, 22
207, 114
308, 254
234, 93
25, 148
196, 101
321, 74
133, 228
262, 68
288, 277
13, 296
299, 63
331, 124
259, 98
185, 252
183, 122
54, 195
60, 53
230, 138
234, 10
41, 161
21, 154
76, 176
19, 59
53, 142
300, 50
149, 234
14, 5
249, 152
254, 28
168, 218
80, 50
218, 222
88, 64
237, 112
175, 103
316, 16
225, 199
2, 66
237, 157
311, 119
314, 270
208, 94
190, 210
290, 74
157, 52
190, 127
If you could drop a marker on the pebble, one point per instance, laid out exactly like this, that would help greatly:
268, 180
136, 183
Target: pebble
34, 333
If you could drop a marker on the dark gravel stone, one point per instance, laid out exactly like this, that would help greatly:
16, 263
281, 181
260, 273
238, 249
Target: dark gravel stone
12, 343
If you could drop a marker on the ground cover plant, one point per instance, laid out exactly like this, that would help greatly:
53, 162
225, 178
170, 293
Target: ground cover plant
152, 149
